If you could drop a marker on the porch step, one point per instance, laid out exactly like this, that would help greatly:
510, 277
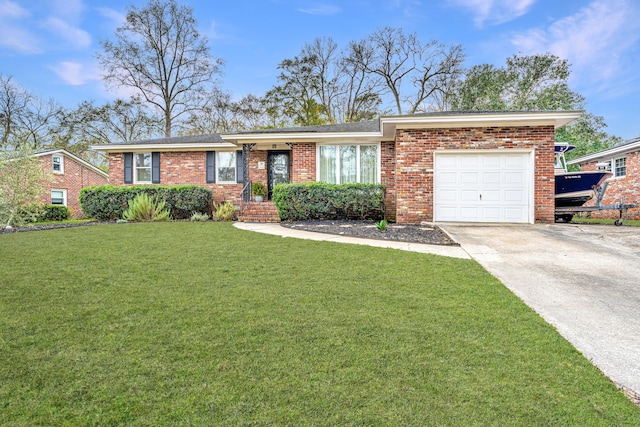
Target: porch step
259, 212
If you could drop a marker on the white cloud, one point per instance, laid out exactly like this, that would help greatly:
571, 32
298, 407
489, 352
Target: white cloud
19, 39
12, 10
410, 8
74, 73
596, 40
72, 34
16, 35
70, 9
117, 18
495, 12
212, 31
321, 9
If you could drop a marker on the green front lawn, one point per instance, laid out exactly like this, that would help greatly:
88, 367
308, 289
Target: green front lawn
203, 324
589, 220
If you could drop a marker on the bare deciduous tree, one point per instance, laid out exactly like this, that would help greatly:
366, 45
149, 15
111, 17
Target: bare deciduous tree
14, 104
25, 119
112, 122
160, 53
413, 72
318, 87
346, 90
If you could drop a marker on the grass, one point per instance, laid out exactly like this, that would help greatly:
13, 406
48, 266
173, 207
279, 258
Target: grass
589, 220
202, 324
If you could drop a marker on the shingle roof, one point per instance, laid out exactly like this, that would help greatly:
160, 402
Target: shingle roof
363, 126
631, 141
47, 150
189, 139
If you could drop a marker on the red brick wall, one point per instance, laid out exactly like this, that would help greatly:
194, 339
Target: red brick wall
414, 164
388, 177
189, 167
180, 168
258, 175
626, 188
75, 177
303, 162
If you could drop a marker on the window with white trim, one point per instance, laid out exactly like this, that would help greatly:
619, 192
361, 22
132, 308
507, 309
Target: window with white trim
142, 168
58, 163
58, 197
226, 167
620, 167
349, 163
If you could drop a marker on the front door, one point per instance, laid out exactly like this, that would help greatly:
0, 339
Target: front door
277, 168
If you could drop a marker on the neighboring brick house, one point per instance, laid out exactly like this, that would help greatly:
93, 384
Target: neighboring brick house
71, 174
623, 161
451, 166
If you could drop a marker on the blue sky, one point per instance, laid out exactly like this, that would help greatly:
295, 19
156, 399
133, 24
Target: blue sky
49, 46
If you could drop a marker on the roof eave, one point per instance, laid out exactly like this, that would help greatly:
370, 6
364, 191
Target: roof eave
117, 148
301, 136
533, 118
608, 153
76, 158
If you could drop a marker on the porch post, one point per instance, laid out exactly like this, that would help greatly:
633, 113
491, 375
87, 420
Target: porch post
246, 149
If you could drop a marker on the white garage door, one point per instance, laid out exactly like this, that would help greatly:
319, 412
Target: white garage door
476, 186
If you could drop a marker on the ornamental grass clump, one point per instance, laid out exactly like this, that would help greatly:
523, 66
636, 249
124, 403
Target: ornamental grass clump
225, 212
145, 208
199, 217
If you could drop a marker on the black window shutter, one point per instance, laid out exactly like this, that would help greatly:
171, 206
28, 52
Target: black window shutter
155, 167
239, 167
128, 168
211, 166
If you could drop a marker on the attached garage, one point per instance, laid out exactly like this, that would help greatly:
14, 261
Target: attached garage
484, 186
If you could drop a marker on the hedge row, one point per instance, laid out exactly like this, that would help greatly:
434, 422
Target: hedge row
319, 200
108, 202
36, 212
55, 213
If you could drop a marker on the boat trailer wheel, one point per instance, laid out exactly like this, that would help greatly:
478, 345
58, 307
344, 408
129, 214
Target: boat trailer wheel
564, 218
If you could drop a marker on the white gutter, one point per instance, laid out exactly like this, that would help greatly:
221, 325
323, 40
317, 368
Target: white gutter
301, 136
557, 118
162, 147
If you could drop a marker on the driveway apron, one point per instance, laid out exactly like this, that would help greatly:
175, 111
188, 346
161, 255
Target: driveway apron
582, 279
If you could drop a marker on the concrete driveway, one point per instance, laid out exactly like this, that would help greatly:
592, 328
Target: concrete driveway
582, 279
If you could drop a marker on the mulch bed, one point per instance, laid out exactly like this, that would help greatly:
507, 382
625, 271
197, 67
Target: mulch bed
431, 235
51, 226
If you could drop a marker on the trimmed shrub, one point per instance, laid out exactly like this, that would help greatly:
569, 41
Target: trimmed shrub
108, 202
145, 208
55, 213
318, 200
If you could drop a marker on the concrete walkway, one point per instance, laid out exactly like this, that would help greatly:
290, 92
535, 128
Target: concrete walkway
276, 229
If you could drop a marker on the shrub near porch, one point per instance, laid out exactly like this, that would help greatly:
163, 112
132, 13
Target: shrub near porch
320, 200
